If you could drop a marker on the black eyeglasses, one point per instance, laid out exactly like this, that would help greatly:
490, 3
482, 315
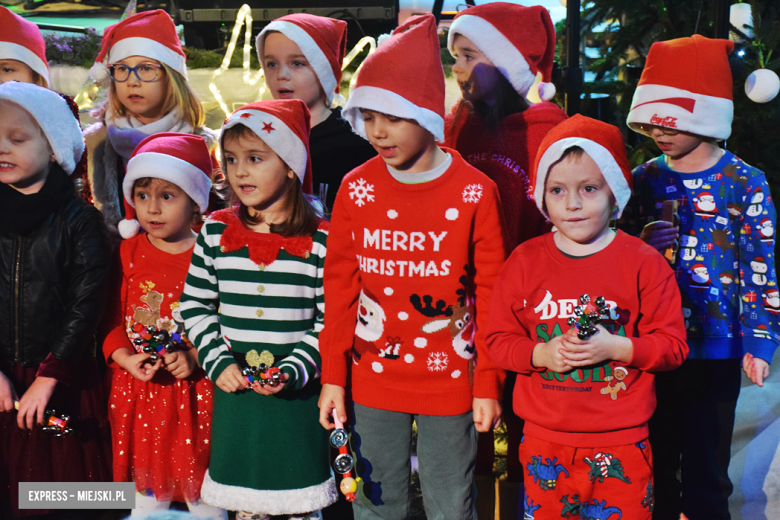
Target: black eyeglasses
146, 72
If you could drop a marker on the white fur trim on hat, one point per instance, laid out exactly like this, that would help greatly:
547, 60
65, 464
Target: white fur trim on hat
55, 118
498, 49
14, 51
148, 48
683, 110
281, 138
270, 502
390, 103
319, 62
603, 158
191, 179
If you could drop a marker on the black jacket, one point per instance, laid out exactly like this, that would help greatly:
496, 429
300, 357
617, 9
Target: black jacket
335, 151
52, 277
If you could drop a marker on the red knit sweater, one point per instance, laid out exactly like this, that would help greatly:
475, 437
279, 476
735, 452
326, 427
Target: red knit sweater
412, 264
506, 156
537, 290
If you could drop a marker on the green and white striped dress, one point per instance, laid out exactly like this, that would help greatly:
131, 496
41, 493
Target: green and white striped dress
260, 291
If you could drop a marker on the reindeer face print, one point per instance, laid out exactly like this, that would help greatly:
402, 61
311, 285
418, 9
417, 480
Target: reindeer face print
370, 319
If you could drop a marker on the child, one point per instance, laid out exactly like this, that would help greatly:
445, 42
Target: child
684, 104
23, 59
499, 49
148, 93
585, 401
416, 242
160, 410
301, 55
254, 294
55, 256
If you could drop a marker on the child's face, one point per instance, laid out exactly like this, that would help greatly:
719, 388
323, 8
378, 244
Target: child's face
25, 155
400, 142
477, 76
288, 73
256, 174
674, 144
579, 200
143, 99
164, 210
14, 70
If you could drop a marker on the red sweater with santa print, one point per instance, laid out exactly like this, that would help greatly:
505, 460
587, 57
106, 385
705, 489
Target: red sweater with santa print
408, 279
608, 404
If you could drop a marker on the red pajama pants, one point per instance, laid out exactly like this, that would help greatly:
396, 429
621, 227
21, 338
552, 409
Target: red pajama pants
607, 483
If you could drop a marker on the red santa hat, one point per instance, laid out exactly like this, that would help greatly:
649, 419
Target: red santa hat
764, 222
181, 159
601, 141
770, 293
696, 267
22, 41
403, 78
282, 124
150, 34
686, 85
759, 259
323, 41
53, 114
520, 41
703, 195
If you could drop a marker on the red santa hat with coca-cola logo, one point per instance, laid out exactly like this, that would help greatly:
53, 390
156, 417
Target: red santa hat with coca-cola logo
686, 85
150, 34
323, 42
520, 41
403, 78
282, 124
181, 159
21, 40
601, 141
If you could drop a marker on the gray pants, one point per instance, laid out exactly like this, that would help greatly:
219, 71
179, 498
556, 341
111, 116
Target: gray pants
446, 451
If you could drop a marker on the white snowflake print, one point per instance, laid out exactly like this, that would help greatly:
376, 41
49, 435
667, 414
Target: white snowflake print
437, 361
472, 193
361, 192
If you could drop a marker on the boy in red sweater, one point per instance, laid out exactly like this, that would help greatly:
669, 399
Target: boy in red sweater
586, 402
415, 245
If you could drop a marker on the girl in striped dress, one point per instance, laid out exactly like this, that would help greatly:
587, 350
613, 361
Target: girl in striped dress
254, 294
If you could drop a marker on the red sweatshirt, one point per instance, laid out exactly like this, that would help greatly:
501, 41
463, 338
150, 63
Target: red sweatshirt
604, 405
506, 156
409, 266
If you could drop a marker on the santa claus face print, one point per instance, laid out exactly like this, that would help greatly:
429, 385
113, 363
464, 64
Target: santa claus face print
288, 74
143, 99
580, 204
25, 155
675, 146
15, 70
402, 143
371, 319
257, 176
476, 75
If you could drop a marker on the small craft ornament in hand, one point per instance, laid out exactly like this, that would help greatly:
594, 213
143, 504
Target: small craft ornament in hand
157, 342
587, 315
260, 370
344, 461
53, 422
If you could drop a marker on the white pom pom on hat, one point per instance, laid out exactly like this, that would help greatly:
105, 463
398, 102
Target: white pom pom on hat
762, 85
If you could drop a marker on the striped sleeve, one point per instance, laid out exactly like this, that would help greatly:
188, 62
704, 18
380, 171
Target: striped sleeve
199, 302
304, 362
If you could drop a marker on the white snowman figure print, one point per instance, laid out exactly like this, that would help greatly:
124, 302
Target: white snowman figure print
755, 208
759, 267
689, 242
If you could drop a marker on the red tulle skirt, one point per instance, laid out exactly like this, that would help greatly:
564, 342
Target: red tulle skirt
161, 432
37, 456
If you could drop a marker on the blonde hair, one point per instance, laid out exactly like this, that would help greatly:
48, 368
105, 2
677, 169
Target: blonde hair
179, 96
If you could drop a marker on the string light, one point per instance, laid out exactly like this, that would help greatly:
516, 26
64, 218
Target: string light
357, 49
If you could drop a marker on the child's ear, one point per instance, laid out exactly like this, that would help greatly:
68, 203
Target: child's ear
290, 173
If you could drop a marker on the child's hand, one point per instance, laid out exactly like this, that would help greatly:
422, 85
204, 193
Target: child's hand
33, 402
231, 380
755, 368
602, 346
136, 364
7, 394
268, 389
660, 234
548, 355
487, 414
181, 363
332, 397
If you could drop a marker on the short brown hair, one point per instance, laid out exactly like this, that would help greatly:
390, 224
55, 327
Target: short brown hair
304, 219
145, 182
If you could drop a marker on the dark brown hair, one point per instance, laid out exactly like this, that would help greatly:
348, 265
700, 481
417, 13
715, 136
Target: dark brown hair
507, 102
303, 219
145, 182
